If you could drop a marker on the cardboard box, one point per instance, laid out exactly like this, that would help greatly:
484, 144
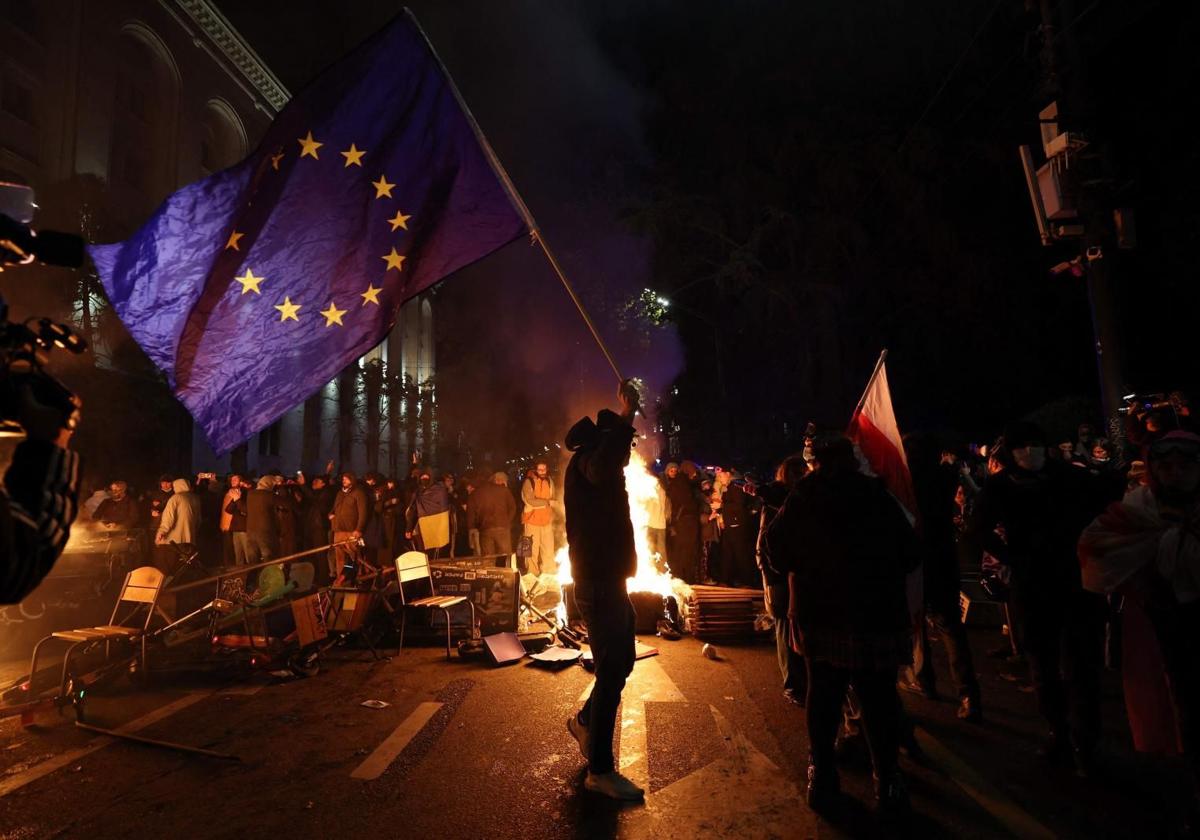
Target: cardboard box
310, 619
496, 593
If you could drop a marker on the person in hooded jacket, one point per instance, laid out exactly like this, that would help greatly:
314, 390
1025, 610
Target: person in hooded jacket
847, 548
393, 510
602, 553
1042, 505
262, 520
429, 520
179, 524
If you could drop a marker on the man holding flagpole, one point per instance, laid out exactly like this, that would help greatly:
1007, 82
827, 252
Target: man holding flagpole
603, 557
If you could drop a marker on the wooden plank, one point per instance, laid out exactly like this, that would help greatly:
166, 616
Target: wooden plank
48, 766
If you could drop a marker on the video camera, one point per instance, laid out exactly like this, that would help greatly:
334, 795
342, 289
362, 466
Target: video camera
23, 346
1138, 404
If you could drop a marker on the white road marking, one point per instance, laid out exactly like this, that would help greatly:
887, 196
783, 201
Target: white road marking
394, 744
19, 780
248, 690
738, 796
648, 683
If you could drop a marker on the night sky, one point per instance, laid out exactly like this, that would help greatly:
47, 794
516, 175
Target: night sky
807, 185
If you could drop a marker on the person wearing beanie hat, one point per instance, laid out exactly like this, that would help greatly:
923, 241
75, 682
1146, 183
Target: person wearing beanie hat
491, 511
1042, 506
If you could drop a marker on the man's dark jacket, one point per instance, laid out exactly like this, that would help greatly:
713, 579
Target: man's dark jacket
683, 496
735, 507
123, 513
317, 506
599, 532
850, 546
773, 497
1042, 515
351, 509
491, 506
260, 513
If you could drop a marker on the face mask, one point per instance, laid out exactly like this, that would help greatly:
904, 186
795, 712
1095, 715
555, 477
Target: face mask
425, 482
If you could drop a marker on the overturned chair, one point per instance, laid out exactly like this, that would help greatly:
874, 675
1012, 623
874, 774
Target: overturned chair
415, 584
128, 626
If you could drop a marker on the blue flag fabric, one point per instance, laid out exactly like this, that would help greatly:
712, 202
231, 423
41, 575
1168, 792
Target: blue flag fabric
254, 287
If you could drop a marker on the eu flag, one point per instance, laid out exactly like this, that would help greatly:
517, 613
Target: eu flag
254, 287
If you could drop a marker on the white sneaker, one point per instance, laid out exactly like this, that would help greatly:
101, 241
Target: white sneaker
614, 786
581, 734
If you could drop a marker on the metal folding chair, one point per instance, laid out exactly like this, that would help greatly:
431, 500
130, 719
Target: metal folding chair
139, 594
412, 574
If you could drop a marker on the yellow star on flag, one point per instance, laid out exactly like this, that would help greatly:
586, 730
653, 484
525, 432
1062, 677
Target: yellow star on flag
371, 295
353, 156
288, 310
275, 158
333, 315
233, 241
250, 282
382, 187
393, 260
399, 221
309, 146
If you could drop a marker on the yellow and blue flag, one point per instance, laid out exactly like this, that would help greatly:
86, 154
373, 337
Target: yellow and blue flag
254, 287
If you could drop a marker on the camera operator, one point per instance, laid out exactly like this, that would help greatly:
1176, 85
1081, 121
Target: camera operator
39, 498
41, 487
1149, 418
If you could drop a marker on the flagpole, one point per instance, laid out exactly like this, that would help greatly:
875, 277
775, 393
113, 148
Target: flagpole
878, 367
535, 230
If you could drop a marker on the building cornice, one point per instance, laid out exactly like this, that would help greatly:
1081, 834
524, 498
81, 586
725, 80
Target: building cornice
237, 54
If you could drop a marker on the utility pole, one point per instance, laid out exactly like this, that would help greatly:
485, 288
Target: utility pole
1065, 75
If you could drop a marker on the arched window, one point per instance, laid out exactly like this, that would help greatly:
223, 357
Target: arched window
145, 105
222, 139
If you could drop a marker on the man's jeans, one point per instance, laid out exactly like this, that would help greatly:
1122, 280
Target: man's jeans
495, 541
791, 664
606, 608
241, 551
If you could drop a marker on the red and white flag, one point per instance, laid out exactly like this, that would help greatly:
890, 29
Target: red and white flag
874, 430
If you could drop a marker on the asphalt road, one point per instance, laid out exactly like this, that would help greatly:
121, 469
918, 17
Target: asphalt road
467, 750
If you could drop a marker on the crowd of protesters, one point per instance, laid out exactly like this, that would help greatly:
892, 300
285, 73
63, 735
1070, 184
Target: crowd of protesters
1075, 536
246, 519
